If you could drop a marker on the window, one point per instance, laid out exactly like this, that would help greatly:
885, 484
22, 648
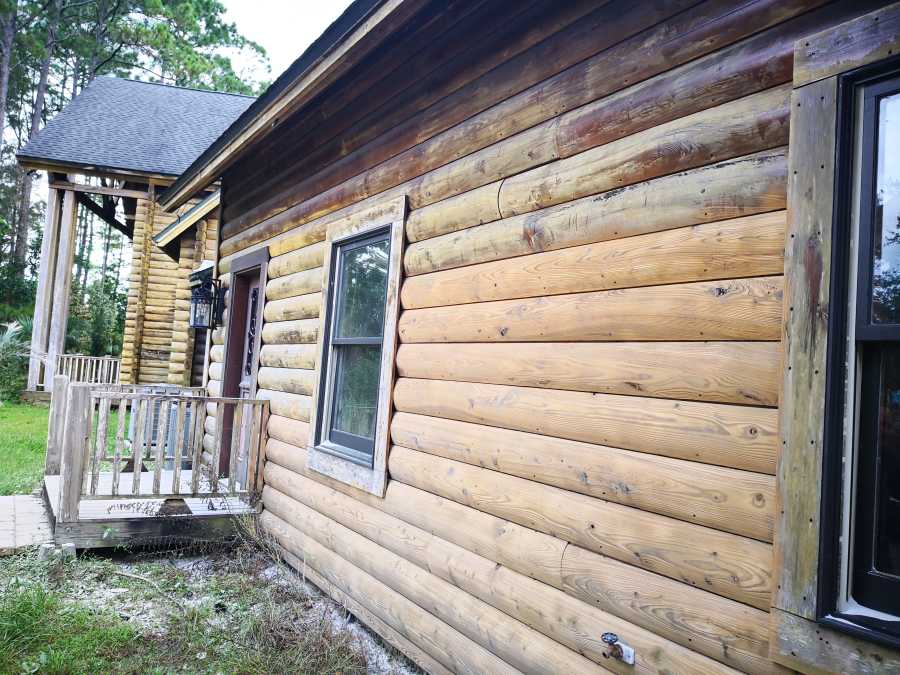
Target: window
358, 325
864, 445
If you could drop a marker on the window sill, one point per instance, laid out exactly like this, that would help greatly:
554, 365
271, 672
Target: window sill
322, 459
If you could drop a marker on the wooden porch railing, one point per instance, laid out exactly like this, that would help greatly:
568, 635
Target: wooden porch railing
124, 442
89, 369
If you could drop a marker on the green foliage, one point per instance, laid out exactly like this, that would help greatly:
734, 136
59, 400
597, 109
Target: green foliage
13, 361
22, 446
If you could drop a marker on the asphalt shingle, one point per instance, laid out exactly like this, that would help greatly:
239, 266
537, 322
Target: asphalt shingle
135, 126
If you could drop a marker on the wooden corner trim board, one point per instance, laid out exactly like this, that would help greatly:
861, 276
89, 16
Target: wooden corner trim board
373, 480
797, 640
340, 57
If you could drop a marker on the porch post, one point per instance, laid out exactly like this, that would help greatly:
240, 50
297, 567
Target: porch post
41, 324
62, 284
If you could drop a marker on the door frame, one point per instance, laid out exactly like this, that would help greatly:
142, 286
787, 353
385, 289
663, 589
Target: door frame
244, 270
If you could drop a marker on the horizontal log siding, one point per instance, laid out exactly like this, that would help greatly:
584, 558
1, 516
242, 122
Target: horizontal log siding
597, 226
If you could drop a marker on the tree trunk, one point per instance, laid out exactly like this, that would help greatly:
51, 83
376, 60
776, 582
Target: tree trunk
22, 221
7, 37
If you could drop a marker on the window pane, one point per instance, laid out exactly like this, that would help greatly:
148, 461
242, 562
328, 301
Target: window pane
356, 389
363, 288
887, 465
886, 264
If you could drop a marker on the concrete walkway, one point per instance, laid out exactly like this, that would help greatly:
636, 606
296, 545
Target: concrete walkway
23, 523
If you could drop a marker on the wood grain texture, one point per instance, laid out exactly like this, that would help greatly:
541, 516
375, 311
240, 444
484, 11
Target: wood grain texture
291, 380
724, 564
293, 308
514, 642
741, 127
740, 187
288, 356
465, 576
301, 331
734, 309
442, 642
726, 630
805, 339
866, 39
741, 247
298, 283
724, 499
302, 259
724, 372
284, 404
740, 437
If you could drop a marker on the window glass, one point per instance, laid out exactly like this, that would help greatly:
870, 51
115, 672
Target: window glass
363, 286
886, 244
357, 373
887, 466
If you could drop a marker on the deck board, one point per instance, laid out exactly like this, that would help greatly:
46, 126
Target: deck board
23, 523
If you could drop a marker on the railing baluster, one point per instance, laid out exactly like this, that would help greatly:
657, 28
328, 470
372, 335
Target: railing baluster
100, 447
197, 446
120, 444
237, 439
217, 446
137, 444
161, 438
179, 446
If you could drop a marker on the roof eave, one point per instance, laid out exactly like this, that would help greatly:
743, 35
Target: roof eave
376, 24
32, 163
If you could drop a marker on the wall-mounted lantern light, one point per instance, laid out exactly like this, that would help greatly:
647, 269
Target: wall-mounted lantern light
205, 299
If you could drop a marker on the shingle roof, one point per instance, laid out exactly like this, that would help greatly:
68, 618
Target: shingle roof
135, 126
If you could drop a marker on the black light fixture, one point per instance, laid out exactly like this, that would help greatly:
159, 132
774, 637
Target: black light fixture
205, 306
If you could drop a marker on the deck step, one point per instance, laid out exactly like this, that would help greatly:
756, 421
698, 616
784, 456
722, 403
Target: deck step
24, 523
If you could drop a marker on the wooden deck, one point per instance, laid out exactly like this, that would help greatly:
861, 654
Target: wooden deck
107, 521
23, 523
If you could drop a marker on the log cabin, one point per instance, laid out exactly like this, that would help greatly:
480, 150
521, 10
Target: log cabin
575, 324
110, 152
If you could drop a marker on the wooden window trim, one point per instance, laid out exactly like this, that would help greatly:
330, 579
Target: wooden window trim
804, 635
369, 479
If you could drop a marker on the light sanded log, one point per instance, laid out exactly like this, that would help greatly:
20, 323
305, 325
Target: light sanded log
216, 370
442, 642
209, 425
214, 387
301, 331
457, 213
288, 356
740, 127
382, 629
741, 247
739, 187
295, 406
218, 336
725, 564
305, 258
721, 628
724, 372
736, 309
298, 283
290, 309
287, 430
730, 500
740, 437
291, 380
514, 642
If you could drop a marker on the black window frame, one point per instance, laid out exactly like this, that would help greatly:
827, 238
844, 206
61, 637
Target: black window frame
351, 447
871, 80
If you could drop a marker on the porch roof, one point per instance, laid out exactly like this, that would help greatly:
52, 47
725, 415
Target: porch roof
120, 125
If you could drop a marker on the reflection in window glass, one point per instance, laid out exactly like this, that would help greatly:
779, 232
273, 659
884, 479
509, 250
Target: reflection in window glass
363, 288
887, 467
356, 389
886, 263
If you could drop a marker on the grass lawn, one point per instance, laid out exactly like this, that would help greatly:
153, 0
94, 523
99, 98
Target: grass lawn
23, 440
230, 610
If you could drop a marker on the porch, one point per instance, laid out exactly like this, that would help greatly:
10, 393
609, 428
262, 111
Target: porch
148, 465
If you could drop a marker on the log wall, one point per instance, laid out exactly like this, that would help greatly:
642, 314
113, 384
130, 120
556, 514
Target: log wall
158, 344
585, 427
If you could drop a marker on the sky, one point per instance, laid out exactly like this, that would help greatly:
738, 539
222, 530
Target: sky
285, 28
